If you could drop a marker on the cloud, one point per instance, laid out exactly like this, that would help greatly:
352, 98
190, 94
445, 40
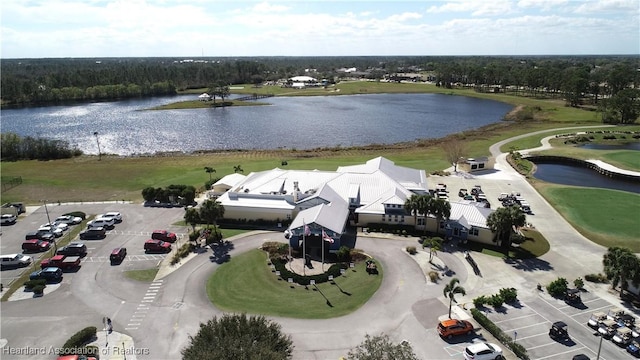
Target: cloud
544, 5
608, 6
474, 7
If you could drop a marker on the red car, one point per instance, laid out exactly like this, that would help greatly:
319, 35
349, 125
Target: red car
154, 245
164, 235
35, 245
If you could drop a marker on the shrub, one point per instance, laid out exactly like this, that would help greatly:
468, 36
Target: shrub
496, 300
30, 284
578, 283
81, 338
433, 276
509, 294
517, 349
344, 254
412, 250
280, 265
596, 278
182, 252
274, 248
38, 289
480, 301
357, 255
558, 287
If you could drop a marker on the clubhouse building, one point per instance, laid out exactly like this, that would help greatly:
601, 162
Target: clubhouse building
322, 203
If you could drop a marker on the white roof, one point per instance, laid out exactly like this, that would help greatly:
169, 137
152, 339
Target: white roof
468, 213
229, 199
302, 79
328, 216
230, 180
412, 179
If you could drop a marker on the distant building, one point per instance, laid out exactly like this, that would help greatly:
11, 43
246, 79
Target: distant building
476, 164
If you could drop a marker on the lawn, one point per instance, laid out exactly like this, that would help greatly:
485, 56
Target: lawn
535, 245
606, 217
146, 275
246, 284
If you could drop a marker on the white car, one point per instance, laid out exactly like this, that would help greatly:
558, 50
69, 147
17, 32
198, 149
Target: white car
14, 260
68, 219
8, 219
483, 351
60, 225
56, 231
116, 216
107, 223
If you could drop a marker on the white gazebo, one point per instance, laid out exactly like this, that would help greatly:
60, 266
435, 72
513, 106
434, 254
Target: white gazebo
204, 97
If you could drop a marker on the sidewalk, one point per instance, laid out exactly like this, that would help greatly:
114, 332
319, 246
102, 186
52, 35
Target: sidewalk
117, 346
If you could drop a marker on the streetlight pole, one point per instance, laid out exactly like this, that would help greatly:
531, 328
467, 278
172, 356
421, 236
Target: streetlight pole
599, 347
50, 224
95, 133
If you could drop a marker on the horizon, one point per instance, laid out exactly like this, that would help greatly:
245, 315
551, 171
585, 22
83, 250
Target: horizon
280, 28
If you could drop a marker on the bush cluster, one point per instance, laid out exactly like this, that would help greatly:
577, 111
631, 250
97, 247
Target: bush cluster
79, 339
517, 349
250, 224
30, 284
505, 295
14, 148
558, 287
596, 278
182, 252
412, 250
280, 265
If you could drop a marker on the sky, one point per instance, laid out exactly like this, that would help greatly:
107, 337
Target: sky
223, 28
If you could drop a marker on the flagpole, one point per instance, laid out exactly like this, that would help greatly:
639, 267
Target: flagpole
322, 243
304, 247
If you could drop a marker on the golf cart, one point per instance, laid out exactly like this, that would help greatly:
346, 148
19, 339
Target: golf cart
572, 296
558, 331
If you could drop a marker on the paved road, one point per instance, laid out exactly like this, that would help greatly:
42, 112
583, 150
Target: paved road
161, 315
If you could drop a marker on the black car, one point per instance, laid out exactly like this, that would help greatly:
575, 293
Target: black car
93, 233
51, 274
558, 331
40, 235
73, 249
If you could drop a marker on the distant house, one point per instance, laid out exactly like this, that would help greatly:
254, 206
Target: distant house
476, 164
300, 82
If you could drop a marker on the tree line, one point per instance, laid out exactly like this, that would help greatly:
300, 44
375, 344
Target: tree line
609, 83
14, 147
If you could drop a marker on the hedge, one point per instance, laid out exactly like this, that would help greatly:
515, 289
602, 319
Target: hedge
517, 349
79, 214
82, 337
280, 265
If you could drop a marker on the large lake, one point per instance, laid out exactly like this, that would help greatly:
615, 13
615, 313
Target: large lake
125, 128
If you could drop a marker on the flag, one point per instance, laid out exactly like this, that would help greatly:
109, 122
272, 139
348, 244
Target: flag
326, 237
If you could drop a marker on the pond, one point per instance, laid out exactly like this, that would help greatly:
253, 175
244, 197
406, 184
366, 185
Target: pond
580, 176
125, 128
624, 146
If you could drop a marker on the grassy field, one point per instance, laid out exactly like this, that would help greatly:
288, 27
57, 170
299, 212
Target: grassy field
246, 284
606, 217
146, 275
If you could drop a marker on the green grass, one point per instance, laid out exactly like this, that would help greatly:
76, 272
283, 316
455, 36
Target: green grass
246, 284
606, 217
535, 245
197, 104
146, 275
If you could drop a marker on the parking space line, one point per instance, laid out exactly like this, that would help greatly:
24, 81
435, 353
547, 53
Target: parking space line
131, 328
515, 318
562, 353
524, 327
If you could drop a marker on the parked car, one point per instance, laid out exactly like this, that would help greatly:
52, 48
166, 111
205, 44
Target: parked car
36, 245
93, 233
634, 348
153, 245
118, 255
14, 261
164, 235
40, 235
596, 319
608, 328
477, 189
73, 249
75, 357
559, 331
107, 223
8, 219
503, 196
453, 327
51, 274
63, 262
580, 357
635, 331
20, 208
68, 219
483, 351
57, 232
622, 337
59, 225
116, 216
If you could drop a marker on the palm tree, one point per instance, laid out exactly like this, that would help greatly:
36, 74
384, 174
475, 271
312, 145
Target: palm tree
237, 169
411, 207
621, 265
502, 222
451, 290
192, 217
434, 244
441, 209
209, 170
211, 211
424, 204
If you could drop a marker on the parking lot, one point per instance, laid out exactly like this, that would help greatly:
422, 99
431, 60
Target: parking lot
529, 323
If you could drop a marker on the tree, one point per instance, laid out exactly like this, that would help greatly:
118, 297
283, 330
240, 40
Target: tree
411, 206
237, 169
502, 222
380, 347
454, 149
192, 217
450, 291
622, 108
441, 209
434, 244
620, 266
236, 336
211, 211
209, 170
